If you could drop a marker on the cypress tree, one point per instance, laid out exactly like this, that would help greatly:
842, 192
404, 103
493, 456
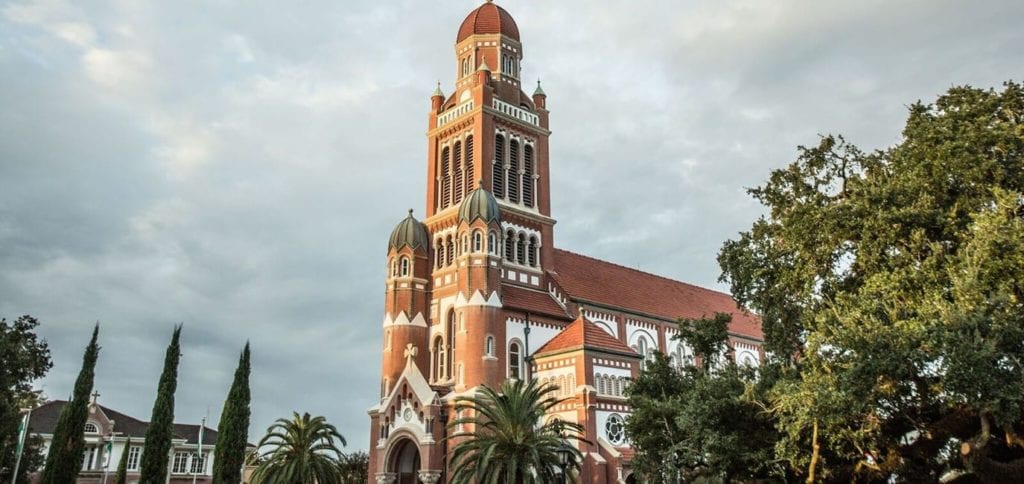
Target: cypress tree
233, 430
161, 425
64, 461
122, 467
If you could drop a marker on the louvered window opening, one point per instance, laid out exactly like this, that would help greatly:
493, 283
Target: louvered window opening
470, 172
510, 245
532, 252
498, 167
513, 171
457, 174
528, 176
446, 182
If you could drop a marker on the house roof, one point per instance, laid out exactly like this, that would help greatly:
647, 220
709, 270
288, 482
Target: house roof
583, 334
44, 421
604, 283
532, 301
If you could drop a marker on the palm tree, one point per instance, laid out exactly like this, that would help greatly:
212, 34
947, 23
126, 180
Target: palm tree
299, 451
503, 439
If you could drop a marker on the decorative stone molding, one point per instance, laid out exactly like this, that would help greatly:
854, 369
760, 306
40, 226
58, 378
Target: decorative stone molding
386, 477
430, 477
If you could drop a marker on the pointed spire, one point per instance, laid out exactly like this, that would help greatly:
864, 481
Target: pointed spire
539, 91
483, 65
437, 90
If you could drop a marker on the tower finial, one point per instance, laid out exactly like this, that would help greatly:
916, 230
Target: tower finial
410, 212
539, 90
437, 90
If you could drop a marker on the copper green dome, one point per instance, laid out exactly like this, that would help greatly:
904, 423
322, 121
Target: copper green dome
409, 232
479, 204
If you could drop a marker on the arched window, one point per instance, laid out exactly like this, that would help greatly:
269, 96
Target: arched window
618, 387
600, 385
489, 346
404, 267
562, 388
478, 241
571, 384
513, 171
643, 348
498, 167
514, 361
392, 267
446, 180
384, 388
387, 339
449, 251
521, 249
438, 253
451, 340
510, 246
492, 243
462, 375
470, 173
457, 184
439, 359
531, 251
465, 244
528, 175
91, 428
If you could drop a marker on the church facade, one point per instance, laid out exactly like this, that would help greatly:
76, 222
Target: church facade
477, 293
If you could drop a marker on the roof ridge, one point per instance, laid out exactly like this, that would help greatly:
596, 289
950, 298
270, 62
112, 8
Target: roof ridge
666, 278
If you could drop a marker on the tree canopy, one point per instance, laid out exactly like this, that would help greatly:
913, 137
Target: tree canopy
24, 358
889, 285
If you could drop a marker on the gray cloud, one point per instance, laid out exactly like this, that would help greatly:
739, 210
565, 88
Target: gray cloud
237, 167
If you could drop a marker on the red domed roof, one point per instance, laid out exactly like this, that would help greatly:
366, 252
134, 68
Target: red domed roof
488, 19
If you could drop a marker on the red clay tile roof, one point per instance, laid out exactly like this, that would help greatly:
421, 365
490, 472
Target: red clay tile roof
585, 334
605, 283
488, 19
532, 301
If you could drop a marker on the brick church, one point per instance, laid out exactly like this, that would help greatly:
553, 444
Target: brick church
477, 292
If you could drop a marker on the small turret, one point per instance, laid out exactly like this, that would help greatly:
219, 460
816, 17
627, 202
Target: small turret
480, 204
437, 99
409, 232
539, 97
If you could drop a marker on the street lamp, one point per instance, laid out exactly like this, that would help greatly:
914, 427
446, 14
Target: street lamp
564, 454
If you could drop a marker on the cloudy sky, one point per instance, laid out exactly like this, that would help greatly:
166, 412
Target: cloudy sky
237, 166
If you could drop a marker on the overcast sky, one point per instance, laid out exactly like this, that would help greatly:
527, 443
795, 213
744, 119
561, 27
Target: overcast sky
237, 166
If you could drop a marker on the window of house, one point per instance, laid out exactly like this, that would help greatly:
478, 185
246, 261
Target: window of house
514, 361
180, 463
615, 429
457, 183
90, 458
134, 454
91, 428
439, 359
489, 346
404, 269
510, 246
492, 243
198, 463
521, 249
478, 241
532, 252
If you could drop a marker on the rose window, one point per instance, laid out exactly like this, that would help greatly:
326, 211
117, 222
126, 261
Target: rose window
615, 429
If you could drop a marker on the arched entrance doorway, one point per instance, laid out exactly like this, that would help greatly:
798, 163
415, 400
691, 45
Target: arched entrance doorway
631, 479
404, 462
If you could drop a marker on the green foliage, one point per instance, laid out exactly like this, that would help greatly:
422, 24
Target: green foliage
121, 477
689, 423
67, 449
355, 468
24, 358
888, 284
502, 438
706, 337
157, 447
233, 430
302, 450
